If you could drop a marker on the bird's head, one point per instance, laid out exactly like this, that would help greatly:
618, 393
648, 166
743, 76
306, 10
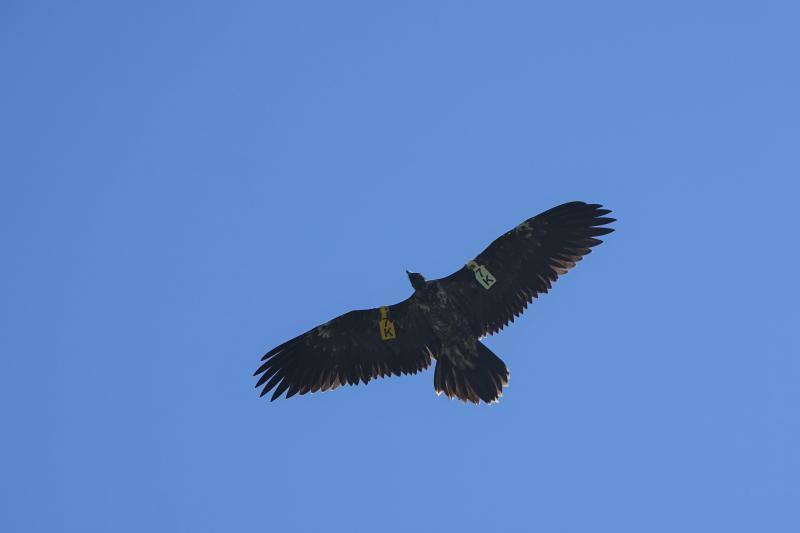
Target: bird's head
416, 279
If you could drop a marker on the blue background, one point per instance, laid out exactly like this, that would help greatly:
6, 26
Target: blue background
185, 185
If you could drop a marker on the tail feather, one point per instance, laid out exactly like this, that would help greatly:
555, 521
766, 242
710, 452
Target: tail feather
484, 381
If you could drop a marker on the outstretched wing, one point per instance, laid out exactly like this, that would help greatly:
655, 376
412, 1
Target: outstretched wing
499, 284
357, 346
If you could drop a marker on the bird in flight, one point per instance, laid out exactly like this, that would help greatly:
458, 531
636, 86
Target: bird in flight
444, 319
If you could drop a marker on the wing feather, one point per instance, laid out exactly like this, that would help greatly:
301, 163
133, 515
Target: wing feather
525, 262
347, 350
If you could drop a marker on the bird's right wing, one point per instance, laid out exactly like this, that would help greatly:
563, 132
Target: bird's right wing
522, 263
357, 346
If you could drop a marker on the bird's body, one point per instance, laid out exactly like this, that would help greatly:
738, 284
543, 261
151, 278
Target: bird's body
444, 318
455, 337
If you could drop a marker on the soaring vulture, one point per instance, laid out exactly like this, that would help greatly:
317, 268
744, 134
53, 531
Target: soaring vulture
444, 319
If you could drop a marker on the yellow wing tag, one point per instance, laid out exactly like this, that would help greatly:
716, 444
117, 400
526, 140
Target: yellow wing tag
483, 276
386, 326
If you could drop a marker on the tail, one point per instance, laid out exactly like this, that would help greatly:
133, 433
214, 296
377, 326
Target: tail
484, 381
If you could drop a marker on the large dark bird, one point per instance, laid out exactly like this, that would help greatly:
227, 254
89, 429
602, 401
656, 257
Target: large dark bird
444, 318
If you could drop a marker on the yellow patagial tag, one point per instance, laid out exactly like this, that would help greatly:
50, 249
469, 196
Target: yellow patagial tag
386, 326
484, 277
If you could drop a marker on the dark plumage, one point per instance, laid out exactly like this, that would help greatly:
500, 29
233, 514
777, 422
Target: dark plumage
444, 318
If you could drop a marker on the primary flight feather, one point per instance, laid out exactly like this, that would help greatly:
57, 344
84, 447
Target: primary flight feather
444, 318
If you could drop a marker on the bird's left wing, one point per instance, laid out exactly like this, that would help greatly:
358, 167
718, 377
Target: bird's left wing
357, 346
522, 263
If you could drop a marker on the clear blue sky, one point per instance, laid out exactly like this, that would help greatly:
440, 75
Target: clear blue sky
186, 185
